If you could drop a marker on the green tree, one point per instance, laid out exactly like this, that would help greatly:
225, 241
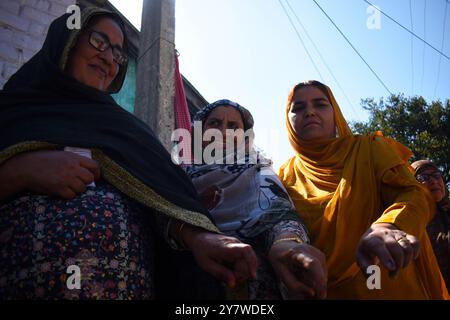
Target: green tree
423, 127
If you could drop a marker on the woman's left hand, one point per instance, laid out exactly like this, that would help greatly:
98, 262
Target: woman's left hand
385, 243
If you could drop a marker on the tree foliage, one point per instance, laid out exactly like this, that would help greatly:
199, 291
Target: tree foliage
423, 127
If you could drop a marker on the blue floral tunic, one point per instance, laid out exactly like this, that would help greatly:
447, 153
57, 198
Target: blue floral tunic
101, 231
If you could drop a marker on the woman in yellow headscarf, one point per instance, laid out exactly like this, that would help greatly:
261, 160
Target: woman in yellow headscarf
360, 202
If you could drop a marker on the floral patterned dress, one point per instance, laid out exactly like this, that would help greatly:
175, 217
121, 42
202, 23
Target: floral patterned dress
101, 233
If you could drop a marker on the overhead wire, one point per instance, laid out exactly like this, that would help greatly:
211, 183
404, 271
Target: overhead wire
442, 47
353, 47
301, 40
412, 47
402, 26
356, 114
425, 37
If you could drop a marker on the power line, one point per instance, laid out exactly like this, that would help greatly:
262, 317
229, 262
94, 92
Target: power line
322, 59
301, 40
415, 35
424, 36
442, 47
353, 47
412, 49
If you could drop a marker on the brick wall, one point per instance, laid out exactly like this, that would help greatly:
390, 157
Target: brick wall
23, 27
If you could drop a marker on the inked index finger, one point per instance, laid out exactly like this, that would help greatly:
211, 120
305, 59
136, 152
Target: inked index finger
312, 273
369, 250
243, 251
381, 251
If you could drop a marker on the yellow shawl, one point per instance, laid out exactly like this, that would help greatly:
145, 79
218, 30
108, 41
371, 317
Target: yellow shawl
340, 187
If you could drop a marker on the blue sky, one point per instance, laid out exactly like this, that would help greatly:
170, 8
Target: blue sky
247, 51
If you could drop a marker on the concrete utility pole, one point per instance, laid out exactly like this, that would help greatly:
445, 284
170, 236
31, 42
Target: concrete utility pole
156, 68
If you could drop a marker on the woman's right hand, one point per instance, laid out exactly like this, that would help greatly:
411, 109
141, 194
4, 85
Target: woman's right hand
50, 172
301, 269
386, 244
224, 257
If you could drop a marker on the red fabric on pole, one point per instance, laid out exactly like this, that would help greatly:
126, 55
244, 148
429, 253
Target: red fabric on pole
182, 116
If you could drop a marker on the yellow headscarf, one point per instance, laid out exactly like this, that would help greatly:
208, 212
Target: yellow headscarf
341, 186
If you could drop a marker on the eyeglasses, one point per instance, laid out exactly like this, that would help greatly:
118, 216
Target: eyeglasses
100, 41
425, 177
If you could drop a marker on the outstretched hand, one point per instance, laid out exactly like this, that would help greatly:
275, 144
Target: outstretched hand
224, 257
301, 269
385, 243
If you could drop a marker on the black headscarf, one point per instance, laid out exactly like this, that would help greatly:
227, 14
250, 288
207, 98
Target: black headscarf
42, 107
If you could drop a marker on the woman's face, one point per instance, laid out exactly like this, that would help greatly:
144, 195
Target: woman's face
223, 118
434, 184
311, 115
90, 66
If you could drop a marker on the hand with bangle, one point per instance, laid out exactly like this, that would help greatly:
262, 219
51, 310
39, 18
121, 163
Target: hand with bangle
300, 267
226, 258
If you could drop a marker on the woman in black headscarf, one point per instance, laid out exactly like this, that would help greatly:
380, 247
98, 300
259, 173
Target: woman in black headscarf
102, 211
